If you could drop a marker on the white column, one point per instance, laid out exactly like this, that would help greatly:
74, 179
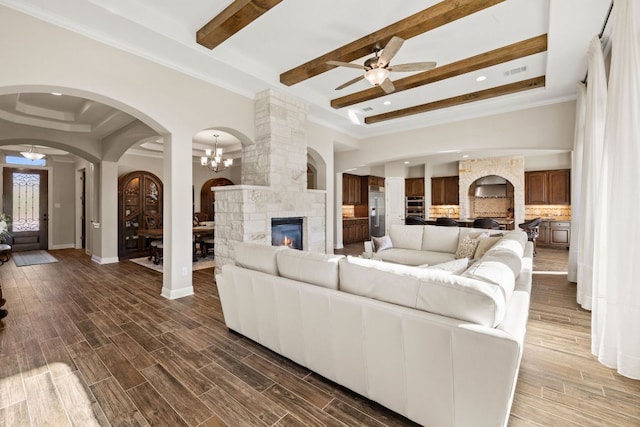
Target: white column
105, 228
177, 217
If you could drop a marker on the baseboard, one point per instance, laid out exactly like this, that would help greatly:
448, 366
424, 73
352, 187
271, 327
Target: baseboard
339, 246
177, 293
65, 246
99, 260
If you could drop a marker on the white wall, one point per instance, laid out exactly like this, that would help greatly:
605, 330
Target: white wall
63, 205
548, 162
545, 127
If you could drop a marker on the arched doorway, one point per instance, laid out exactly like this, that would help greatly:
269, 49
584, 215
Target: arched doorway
208, 197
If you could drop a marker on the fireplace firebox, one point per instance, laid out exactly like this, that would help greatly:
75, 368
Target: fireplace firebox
287, 232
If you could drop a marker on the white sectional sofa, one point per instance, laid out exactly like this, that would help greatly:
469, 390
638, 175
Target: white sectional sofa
441, 349
423, 244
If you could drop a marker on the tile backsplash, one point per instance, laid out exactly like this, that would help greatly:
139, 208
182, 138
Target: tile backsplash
443, 210
561, 212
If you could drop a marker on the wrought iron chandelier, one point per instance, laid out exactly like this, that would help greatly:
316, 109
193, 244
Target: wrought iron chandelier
213, 158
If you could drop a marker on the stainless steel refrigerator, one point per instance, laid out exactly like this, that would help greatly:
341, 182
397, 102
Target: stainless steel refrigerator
376, 211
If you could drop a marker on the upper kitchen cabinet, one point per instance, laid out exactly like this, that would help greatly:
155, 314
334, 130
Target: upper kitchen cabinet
351, 189
548, 187
445, 190
414, 187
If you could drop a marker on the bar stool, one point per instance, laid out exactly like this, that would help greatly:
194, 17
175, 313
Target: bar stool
532, 228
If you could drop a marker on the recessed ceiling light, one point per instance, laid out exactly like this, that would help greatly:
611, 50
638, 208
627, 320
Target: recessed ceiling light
56, 93
465, 156
481, 78
406, 163
387, 102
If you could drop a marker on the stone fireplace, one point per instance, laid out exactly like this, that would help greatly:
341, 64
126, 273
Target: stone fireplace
510, 168
273, 183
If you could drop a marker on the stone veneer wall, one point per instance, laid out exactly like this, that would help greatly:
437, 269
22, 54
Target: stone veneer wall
511, 168
274, 182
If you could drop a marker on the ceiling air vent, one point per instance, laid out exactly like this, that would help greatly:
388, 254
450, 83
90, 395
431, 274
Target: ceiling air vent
366, 109
516, 70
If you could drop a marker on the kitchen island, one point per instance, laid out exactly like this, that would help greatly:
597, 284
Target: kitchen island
505, 223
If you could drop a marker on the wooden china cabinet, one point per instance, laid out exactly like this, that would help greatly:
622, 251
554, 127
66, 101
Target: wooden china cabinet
139, 207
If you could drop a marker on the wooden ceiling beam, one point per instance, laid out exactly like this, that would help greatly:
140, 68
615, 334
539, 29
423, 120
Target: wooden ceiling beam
513, 51
440, 14
235, 17
520, 86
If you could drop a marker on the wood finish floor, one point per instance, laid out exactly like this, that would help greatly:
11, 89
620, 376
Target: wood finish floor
86, 344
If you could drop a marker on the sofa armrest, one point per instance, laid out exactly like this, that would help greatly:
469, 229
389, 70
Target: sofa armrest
368, 249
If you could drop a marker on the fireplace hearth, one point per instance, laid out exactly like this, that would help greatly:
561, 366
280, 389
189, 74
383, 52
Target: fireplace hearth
287, 232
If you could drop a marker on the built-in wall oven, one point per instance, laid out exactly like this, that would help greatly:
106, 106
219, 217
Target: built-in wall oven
414, 206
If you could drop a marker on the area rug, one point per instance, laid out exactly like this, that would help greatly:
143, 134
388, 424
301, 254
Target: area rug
201, 264
22, 259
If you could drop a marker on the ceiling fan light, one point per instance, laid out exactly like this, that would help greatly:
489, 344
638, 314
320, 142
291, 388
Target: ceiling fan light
376, 75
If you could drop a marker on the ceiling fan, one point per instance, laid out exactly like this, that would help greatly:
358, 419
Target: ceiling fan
377, 69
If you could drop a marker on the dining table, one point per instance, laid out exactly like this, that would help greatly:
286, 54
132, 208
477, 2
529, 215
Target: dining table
150, 234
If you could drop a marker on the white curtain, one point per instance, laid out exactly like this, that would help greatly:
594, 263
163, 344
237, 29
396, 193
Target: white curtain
576, 181
616, 286
595, 119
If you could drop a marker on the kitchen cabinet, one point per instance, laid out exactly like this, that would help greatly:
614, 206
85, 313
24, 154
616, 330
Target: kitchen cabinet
445, 190
414, 187
554, 234
139, 207
559, 233
355, 230
548, 187
351, 189
366, 182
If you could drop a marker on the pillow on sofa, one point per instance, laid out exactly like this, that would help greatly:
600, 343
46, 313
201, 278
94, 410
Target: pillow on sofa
310, 267
467, 245
381, 243
485, 243
457, 266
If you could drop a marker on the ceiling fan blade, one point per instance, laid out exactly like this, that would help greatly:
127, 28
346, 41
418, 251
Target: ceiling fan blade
346, 64
414, 66
387, 86
350, 82
390, 50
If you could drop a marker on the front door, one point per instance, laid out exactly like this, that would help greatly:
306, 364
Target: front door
25, 200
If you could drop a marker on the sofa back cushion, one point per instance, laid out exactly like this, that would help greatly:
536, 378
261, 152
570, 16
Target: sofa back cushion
311, 267
437, 292
257, 256
406, 236
440, 239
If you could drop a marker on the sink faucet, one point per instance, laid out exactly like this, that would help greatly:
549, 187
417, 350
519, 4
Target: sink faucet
449, 212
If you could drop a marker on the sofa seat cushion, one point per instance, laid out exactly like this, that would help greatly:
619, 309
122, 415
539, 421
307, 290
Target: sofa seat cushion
462, 298
311, 267
457, 266
412, 257
440, 239
406, 236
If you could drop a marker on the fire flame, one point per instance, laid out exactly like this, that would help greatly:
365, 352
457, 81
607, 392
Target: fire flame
287, 242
